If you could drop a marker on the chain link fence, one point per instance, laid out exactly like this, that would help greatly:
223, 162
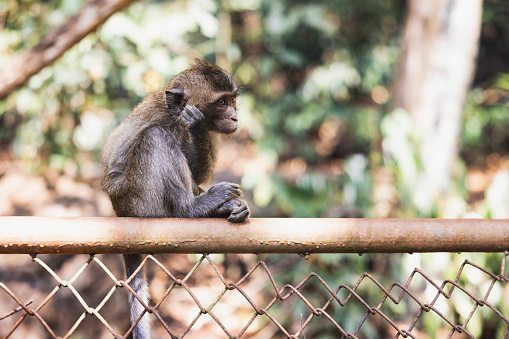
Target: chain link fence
258, 296
265, 307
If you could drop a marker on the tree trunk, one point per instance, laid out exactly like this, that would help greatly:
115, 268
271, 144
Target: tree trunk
51, 47
435, 70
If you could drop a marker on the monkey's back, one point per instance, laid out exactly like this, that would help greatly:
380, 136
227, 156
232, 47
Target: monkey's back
120, 152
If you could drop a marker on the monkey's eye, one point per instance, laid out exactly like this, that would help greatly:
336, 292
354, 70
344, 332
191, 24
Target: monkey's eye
234, 101
221, 102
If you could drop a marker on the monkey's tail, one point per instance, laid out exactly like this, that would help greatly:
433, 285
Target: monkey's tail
140, 286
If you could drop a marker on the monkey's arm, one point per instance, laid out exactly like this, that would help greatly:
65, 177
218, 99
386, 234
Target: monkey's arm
235, 210
201, 149
159, 182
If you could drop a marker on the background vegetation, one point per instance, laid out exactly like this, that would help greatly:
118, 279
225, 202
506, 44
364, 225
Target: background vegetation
319, 137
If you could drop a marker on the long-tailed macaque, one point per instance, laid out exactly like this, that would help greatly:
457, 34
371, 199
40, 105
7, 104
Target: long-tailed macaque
156, 159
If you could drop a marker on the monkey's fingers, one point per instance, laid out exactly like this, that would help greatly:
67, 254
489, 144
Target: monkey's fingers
240, 214
230, 206
194, 111
235, 193
192, 115
236, 210
234, 189
224, 210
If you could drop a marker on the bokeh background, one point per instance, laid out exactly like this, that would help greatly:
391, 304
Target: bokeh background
324, 130
320, 135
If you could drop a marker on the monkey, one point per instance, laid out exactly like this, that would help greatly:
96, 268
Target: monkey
155, 161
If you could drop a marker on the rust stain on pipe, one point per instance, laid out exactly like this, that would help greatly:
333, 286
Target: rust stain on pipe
258, 235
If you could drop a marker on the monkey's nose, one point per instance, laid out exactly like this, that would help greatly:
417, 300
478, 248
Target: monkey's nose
235, 119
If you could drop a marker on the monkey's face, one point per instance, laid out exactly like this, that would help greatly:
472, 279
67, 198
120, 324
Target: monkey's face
221, 113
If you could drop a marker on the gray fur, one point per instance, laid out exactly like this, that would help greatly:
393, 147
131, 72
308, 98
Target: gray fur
153, 165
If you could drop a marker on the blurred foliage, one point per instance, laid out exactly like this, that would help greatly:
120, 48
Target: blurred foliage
316, 80
315, 106
312, 74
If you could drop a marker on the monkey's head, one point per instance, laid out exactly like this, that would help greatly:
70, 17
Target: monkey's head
212, 90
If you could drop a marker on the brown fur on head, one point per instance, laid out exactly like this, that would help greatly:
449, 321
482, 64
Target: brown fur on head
200, 77
212, 90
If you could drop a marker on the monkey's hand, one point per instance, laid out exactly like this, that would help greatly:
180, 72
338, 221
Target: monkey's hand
221, 193
192, 116
237, 210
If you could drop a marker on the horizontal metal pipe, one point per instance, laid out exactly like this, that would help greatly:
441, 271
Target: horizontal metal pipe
171, 235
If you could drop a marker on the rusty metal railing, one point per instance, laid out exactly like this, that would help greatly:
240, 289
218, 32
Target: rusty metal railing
421, 295
136, 235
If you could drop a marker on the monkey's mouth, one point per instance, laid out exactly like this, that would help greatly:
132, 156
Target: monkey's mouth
224, 126
230, 129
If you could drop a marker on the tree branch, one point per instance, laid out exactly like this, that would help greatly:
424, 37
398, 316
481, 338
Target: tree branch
51, 47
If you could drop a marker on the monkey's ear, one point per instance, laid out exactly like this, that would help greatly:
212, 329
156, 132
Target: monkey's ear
176, 100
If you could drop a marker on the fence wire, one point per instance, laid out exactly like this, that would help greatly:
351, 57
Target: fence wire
336, 298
